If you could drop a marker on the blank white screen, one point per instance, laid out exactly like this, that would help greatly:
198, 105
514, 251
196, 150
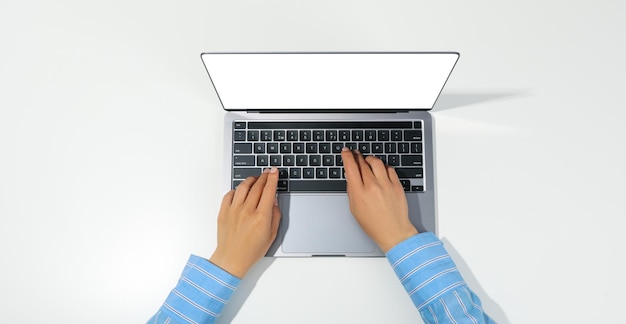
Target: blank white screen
329, 80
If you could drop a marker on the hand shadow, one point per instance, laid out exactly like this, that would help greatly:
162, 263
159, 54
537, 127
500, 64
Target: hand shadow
243, 291
489, 305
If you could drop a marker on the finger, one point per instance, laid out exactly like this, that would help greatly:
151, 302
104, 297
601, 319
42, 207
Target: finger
252, 201
351, 167
366, 172
275, 222
242, 190
393, 176
269, 191
378, 168
227, 200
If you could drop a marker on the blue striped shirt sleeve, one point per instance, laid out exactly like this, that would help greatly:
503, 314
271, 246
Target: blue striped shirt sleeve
433, 282
202, 291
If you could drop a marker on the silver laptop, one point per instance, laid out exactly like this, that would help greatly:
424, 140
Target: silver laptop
296, 111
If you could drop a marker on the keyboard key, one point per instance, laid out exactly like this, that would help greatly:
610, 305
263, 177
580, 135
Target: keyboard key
318, 135
315, 160
311, 147
308, 173
416, 147
283, 173
364, 147
383, 135
242, 173
417, 188
328, 160
298, 147
338, 160
266, 135
305, 135
242, 148
292, 135
406, 184
403, 147
410, 172
253, 135
289, 160
275, 160
412, 135
262, 160
352, 146
393, 160
324, 148
320, 185
382, 158
272, 148
357, 135
377, 147
390, 147
283, 185
334, 173
411, 160
331, 135
279, 135
370, 135
240, 125
240, 136
236, 183
285, 147
321, 173
302, 160
295, 173
344, 135
417, 124
259, 147
396, 135
243, 160
337, 147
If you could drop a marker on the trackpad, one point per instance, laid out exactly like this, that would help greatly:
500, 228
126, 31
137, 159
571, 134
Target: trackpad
321, 224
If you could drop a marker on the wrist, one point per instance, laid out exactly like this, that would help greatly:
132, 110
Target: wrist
225, 263
397, 238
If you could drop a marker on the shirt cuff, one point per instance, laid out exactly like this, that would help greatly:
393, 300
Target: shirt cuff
424, 268
202, 291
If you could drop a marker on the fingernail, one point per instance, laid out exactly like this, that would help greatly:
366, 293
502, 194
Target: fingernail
276, 201
273, 170
357, 151
345, 148
266, 170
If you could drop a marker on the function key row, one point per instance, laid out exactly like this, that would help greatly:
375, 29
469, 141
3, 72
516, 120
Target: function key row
328, 125
327, 135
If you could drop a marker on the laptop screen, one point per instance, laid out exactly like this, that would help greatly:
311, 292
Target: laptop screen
292, 81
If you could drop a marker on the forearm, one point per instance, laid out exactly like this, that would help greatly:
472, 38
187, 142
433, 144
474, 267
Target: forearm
433, 282
200, 295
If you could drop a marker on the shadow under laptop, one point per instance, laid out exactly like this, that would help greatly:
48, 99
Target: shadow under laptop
454, 100
490, 306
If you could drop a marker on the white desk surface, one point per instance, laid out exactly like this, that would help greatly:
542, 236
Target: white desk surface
110, 155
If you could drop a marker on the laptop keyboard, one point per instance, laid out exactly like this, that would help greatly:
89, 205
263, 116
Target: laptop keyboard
308, 154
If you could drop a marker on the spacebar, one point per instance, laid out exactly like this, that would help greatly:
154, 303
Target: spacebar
317, 185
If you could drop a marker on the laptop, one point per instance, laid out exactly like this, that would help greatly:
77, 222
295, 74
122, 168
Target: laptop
296, 111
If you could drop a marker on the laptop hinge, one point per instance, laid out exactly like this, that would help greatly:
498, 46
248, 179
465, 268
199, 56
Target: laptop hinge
326, 111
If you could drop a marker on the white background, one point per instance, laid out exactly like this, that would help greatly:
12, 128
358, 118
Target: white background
111, 141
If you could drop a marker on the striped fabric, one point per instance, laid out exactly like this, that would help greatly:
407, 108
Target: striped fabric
420, 262
202, 291
433, 282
